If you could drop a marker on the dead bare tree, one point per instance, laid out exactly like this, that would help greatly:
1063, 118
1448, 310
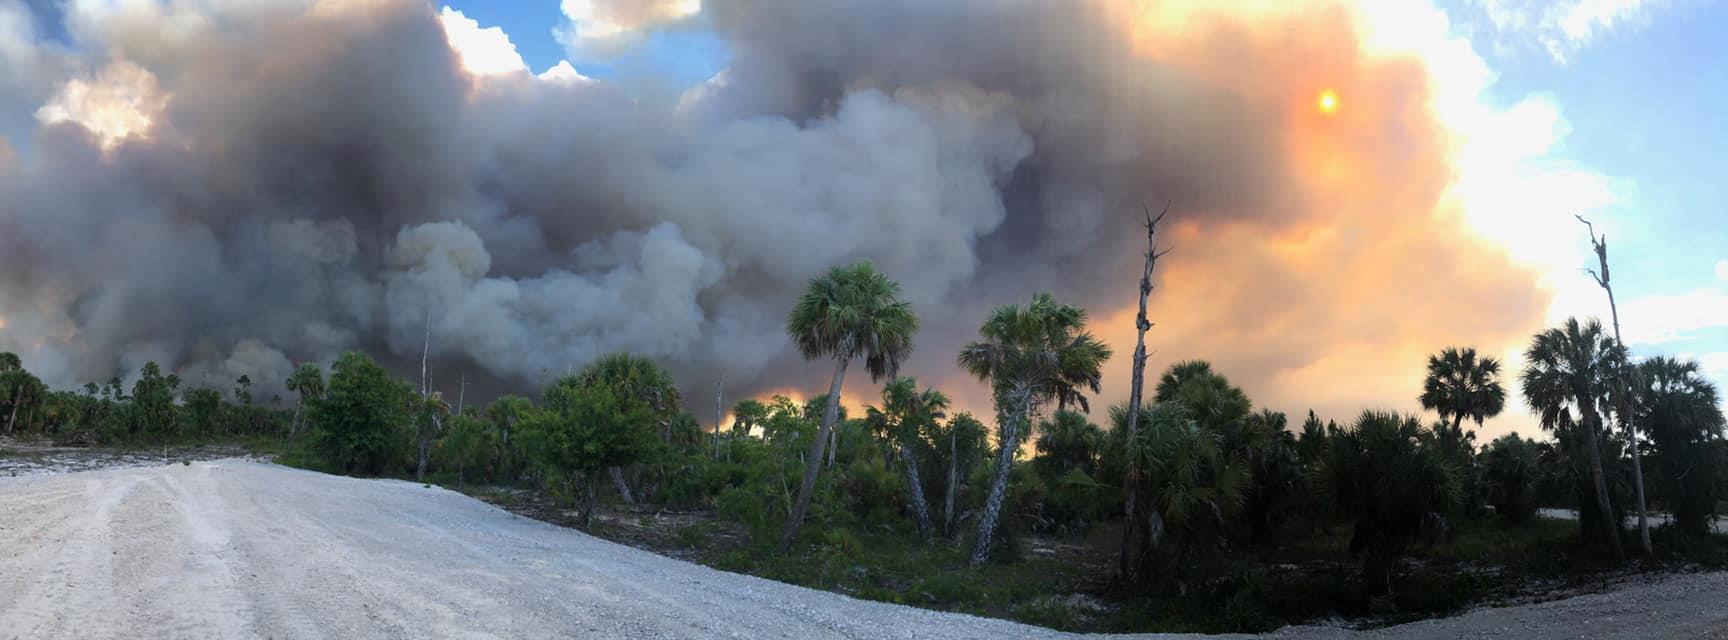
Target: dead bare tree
717, 415
1600, 244
422, 430
1130, 529
425, 349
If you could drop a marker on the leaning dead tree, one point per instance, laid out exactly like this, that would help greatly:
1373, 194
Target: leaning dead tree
1130, 524
1600, 244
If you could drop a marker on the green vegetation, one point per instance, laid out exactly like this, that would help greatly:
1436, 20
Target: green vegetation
1242, 521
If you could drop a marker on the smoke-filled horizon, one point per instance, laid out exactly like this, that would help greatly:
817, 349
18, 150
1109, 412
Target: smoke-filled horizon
234, 190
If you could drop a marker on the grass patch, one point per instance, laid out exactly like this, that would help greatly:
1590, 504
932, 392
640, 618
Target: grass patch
1065, 583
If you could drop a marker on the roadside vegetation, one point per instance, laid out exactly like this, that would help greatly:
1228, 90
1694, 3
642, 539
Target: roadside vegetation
1196, 510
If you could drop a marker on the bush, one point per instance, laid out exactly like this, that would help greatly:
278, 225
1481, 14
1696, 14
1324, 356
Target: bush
358, 427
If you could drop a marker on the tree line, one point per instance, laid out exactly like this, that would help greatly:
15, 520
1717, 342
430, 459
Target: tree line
1204, 472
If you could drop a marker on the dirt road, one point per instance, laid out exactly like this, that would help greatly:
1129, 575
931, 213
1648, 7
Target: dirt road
240, 549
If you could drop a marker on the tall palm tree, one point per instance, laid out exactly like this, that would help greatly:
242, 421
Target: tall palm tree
850, 312
1460, 385
1569, 368
1031, 356
906, 415
23, 387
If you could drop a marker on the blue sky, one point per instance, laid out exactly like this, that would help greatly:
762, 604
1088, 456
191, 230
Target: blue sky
1643, 101
683, 56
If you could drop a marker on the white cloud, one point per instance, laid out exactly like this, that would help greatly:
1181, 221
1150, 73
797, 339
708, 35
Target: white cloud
483, 51
121, 101
1563, 27
604, 26
1663, 318
563, 73
1722, 270
1512, 186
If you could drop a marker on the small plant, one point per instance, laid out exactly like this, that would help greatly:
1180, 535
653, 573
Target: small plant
1055, 612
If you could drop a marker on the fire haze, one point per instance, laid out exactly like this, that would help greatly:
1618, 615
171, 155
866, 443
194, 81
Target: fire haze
235, 190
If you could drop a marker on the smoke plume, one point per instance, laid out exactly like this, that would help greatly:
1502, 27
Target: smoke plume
235, 190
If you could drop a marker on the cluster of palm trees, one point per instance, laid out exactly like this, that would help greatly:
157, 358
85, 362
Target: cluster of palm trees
1203, 458
1031, 356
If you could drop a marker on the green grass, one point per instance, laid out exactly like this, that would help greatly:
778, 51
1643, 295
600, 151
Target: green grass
1066, 583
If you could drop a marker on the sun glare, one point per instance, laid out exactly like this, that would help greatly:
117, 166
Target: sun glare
1328, 102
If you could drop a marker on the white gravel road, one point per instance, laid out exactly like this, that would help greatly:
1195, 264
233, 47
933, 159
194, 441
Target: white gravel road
234, 549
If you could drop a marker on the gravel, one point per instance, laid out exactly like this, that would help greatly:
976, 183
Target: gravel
238, 549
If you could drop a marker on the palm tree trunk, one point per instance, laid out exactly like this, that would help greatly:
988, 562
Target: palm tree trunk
17, 398
916, 488
999, 484
622, 486
813, 463
1610, 528
953, 481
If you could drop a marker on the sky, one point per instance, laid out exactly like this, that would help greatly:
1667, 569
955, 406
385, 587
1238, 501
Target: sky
1353, 186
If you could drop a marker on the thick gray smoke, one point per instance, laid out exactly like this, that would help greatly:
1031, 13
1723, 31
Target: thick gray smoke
317, 177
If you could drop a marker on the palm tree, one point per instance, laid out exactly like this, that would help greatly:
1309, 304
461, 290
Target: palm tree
1679, 408
850, 312
1512, 466
907, 414
24, 388
747, 415
1569, 368
1067, 442
965, 436
1194, 487
1268, 449
639, 379
505, 413
1210, 398
308, 381
1380, 473
1461, 385
1031, 356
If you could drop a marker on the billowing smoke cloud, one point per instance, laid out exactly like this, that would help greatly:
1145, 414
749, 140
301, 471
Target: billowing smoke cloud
310, 177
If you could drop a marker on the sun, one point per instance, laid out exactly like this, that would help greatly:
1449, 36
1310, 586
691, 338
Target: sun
1328, 102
